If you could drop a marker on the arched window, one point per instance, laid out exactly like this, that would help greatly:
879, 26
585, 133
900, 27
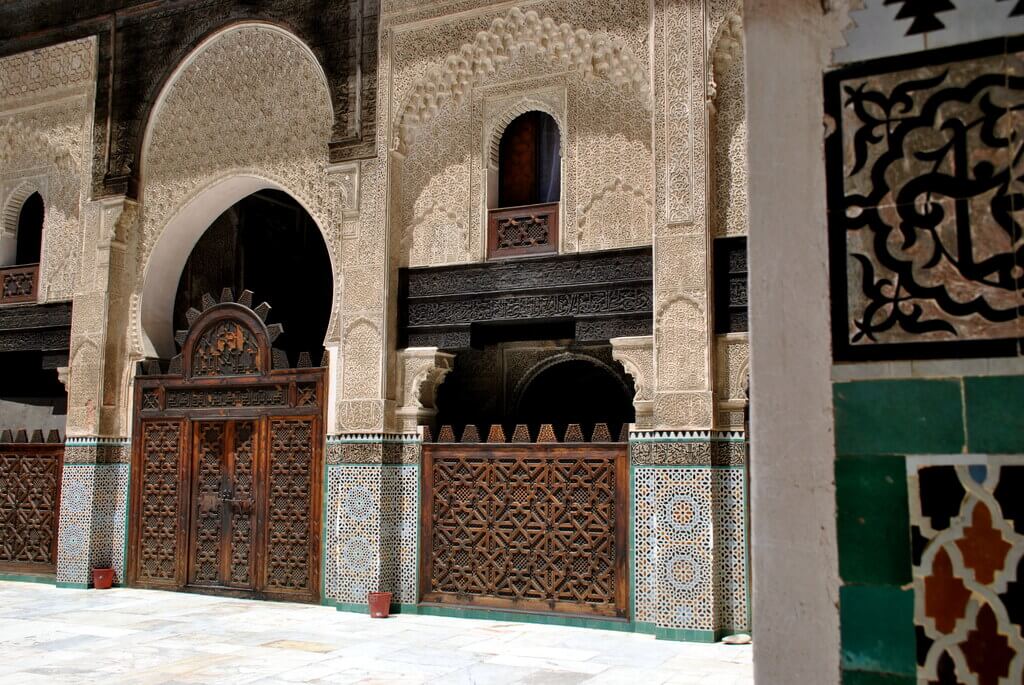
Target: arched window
529, 184
30, 231
529, 171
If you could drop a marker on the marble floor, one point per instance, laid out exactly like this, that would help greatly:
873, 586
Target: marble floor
51, 635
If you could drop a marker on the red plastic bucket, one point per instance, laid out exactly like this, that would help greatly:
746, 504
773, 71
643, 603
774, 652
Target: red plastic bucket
380, 604
102, 578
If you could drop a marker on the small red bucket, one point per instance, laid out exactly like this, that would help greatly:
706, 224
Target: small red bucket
380, 604
102, 578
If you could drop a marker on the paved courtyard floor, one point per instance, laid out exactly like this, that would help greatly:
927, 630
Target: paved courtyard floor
51, 635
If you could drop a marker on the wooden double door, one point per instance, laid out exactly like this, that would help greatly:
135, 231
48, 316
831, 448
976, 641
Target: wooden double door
228, 503
229, 506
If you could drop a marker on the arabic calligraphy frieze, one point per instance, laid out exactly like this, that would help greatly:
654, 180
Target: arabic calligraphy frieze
926, 203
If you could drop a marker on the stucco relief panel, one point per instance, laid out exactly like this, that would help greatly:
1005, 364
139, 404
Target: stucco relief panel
252, 100
728, 105
451, 90
732, 365
45, 146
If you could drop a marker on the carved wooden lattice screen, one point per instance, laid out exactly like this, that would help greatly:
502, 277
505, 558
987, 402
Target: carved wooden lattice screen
158, 503
29, 505
534, 527
291, 485
226, 490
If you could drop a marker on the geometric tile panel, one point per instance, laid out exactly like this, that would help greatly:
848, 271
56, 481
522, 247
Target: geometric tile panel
645, 545
75, 531
967, 541
110, 518
372, 518
727, 491
353, 532
682, 498
400, 522
690, 565
93, 521
882, 28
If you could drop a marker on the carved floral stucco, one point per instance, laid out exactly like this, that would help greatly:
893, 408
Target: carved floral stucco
456, 84
45, 125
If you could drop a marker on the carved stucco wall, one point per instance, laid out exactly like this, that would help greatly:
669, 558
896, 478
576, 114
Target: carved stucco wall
698, 159
677, 180
583, 63
253, 102
46, 101
640, 165
729, 168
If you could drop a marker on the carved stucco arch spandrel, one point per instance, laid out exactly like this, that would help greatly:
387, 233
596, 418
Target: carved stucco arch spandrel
577, 49
249, 109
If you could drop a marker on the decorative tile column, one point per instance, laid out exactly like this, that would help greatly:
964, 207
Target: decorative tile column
689, 516
94, 509
371, 518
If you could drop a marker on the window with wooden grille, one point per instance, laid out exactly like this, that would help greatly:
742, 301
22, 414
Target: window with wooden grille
525, 220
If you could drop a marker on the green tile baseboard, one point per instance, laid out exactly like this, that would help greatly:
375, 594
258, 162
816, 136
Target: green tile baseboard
29, 578
520, 616
621, 625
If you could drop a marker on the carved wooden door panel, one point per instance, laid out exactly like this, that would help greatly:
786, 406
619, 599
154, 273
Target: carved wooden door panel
228, 464
224, 504
293, 503
158, 535
29, 502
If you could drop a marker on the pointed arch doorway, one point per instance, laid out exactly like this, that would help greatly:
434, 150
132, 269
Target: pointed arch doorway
227, 464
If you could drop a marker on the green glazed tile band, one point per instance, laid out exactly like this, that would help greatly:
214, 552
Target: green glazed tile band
995, 414
873, 520
898, 417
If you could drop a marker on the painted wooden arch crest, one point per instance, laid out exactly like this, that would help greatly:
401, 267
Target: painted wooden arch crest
227, 338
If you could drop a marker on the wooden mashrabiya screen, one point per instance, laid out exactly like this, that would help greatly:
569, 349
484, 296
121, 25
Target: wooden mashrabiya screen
226, 492
30, 474
527, 526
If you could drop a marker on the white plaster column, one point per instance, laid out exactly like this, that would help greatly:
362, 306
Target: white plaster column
793, 516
